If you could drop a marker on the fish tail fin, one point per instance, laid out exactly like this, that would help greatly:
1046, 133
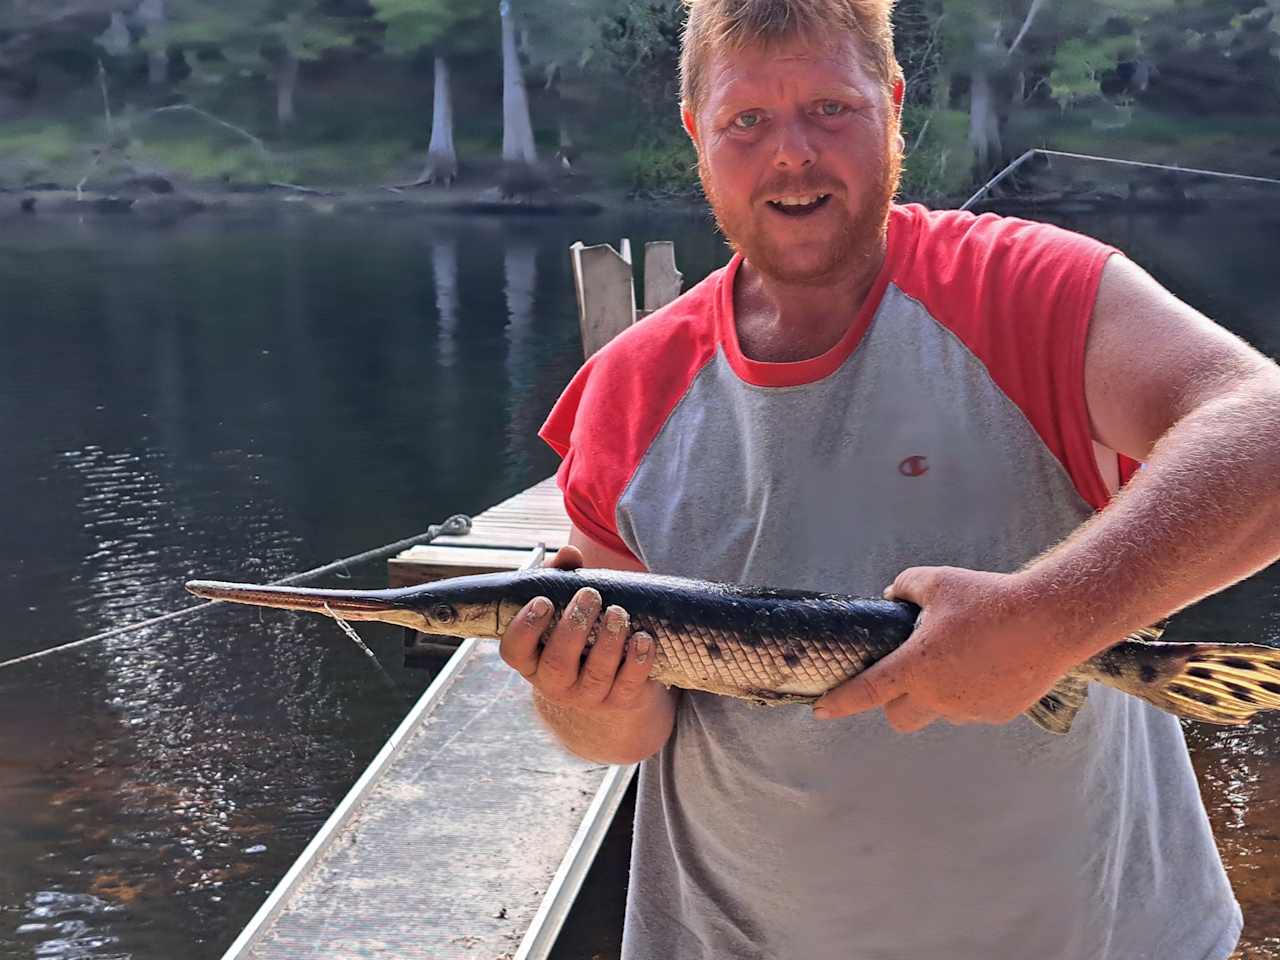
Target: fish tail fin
1056, 710
1223, 683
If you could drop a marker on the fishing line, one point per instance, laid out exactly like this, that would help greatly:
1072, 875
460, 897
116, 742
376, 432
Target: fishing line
350, 631
456, 526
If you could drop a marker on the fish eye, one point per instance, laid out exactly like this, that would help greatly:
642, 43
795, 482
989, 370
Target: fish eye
443, 613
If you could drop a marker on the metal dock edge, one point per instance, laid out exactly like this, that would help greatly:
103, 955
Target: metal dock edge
468, 836
338, 819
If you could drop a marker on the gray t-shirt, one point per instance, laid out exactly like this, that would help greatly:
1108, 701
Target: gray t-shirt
948, 427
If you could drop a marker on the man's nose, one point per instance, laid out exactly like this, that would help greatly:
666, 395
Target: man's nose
794, 150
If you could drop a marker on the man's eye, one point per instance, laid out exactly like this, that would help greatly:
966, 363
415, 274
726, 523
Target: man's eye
831, 108
745, 121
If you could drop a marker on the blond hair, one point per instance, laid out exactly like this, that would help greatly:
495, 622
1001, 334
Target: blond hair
726, 25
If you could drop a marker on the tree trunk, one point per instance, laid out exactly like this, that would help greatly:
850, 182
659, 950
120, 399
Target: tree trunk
984, 124
517, 131
286, 83
1026, 25
567, 151
152, 15
941, 84
442, 161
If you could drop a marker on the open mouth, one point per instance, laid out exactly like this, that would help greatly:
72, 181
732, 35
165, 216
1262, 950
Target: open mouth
799, 206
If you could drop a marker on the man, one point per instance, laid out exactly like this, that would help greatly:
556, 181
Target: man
871, 394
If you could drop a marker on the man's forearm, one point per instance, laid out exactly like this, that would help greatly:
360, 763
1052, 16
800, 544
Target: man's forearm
1203, 513
605, 736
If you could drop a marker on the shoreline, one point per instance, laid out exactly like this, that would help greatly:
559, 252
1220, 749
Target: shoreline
161, 199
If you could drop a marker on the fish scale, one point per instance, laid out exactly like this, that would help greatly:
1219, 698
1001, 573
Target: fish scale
784, 646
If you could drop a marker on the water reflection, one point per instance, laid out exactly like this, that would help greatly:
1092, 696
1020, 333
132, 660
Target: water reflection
519, 268
444, 268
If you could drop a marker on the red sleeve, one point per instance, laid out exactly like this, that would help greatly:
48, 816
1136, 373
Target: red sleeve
1020, 296
613, 409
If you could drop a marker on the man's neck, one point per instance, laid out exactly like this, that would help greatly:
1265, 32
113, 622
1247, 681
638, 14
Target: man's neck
782, 323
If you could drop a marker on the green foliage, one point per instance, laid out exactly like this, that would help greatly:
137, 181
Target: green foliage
230, 37
642, 33
598, 37
352, 163
661, 167
937, 163
40, 146
606, 71
1079, 64
452, 26
203, 160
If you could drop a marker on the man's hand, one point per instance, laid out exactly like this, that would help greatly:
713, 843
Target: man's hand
983, 651
615, 675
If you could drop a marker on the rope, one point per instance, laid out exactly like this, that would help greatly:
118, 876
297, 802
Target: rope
456, 526
1127, 163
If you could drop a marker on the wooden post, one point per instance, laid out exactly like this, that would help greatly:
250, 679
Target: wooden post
606, 294
662, 279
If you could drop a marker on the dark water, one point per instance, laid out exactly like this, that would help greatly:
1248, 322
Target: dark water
238, 399
247, 398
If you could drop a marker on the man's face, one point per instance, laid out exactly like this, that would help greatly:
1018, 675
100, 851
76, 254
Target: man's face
799, 155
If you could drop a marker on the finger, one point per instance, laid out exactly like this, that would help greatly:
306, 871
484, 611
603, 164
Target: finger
907, 715
596, 679
519, 644
628, 686
567, 557
884, 681
913, 585
562, 655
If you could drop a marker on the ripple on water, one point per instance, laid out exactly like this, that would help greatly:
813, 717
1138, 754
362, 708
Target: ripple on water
67, 924
1239, 774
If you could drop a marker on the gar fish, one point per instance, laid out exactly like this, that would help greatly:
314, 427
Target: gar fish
784, 646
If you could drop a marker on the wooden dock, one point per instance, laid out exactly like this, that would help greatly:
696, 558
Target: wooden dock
501, 538
471, 832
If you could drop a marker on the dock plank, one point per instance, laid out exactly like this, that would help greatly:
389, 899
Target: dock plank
433, 563
471, 832
451, 849
519, 523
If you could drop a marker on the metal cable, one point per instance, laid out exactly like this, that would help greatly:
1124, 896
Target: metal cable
456, 526
1127, 163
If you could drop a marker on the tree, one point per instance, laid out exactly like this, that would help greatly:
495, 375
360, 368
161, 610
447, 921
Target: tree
151, 14
518, 151
27, 26
592, 43
445, 28
990, 42
268, 37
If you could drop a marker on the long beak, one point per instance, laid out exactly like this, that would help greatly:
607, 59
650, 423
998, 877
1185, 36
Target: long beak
388, 606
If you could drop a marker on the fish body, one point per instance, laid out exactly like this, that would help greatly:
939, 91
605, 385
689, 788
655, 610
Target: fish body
782, 646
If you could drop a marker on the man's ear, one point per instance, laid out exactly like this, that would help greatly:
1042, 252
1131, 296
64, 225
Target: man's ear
690, 123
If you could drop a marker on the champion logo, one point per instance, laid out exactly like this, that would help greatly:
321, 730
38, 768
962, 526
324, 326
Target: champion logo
914, 466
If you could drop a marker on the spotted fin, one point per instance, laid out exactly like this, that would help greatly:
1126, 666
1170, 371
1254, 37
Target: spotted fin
1223, 683
1056, 710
